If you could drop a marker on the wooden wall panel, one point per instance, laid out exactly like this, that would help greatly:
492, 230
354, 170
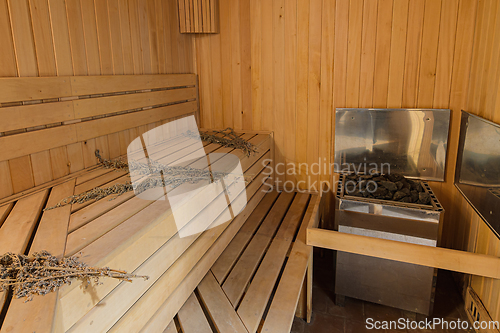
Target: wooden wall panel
63, 37
199, 16
359, 53
483, 99
82, 37
60, 34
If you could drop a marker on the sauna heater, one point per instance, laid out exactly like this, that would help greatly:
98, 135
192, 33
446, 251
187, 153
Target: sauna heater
391, 147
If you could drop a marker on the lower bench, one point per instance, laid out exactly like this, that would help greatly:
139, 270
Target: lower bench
260, 281
129, 234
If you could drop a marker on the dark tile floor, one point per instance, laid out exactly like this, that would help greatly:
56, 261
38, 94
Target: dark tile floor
328, 317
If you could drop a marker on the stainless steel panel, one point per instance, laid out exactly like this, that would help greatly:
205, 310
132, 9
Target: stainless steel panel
401, 285
412, 142
478, 167
396, 284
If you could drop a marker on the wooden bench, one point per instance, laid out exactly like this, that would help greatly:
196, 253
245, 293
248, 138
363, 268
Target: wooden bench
47, 146
261, 280
126, 233
49, 132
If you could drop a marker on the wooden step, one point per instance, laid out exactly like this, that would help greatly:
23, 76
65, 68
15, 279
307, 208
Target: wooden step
271, 297
218, 306
259, 291
240, 276
192, 318
171, 306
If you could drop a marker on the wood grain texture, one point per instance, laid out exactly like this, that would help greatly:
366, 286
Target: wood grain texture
481, 98
22, 33
50, 236
42, 33
427, 54
385, 53
198, 16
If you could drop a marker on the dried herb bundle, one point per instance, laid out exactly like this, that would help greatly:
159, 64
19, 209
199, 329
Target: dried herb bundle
229, 139
158, 175
117, 164
43, 273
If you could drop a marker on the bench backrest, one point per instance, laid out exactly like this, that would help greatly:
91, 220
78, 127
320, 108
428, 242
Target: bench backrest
50, 127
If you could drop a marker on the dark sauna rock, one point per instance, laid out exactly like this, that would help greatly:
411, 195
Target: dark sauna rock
356, 193
406, 184
417, 187
371, 187
406, 191
399, 195
424, 198
395, 177
352, 177
367, 194
389, 185
381, 192
351, 186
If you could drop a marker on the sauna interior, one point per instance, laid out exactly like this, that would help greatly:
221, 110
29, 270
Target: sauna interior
249, 166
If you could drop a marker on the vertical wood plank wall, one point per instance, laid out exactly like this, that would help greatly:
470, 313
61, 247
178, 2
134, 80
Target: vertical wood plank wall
198, 16
286, 65
85, 37
483, 99
280, 65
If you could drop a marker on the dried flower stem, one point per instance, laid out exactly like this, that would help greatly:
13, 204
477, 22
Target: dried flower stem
229, 139
43, 273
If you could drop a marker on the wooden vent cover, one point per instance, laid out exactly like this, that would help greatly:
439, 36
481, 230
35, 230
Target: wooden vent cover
199, 16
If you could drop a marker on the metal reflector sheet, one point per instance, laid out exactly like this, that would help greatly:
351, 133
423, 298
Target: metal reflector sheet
412, 142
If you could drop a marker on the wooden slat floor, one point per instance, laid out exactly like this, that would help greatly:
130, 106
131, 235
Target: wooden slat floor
126, 233
240, 291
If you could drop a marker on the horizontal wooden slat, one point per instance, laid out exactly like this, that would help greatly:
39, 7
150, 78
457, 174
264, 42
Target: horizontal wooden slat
18, 145
453, 260
105, 105
33, 88
236, 282
4, 212
95, 128
279, 319
26, 116
88, 176
105, 249
16, 231
256, 297
138, 316
219, 307
37, 315
90, 85
169, 308
191, 317
119, 301
228, 258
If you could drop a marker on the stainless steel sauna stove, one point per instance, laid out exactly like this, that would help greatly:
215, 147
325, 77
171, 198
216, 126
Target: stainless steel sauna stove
412, 142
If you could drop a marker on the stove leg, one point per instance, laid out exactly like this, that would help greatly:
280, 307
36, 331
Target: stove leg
339, 300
